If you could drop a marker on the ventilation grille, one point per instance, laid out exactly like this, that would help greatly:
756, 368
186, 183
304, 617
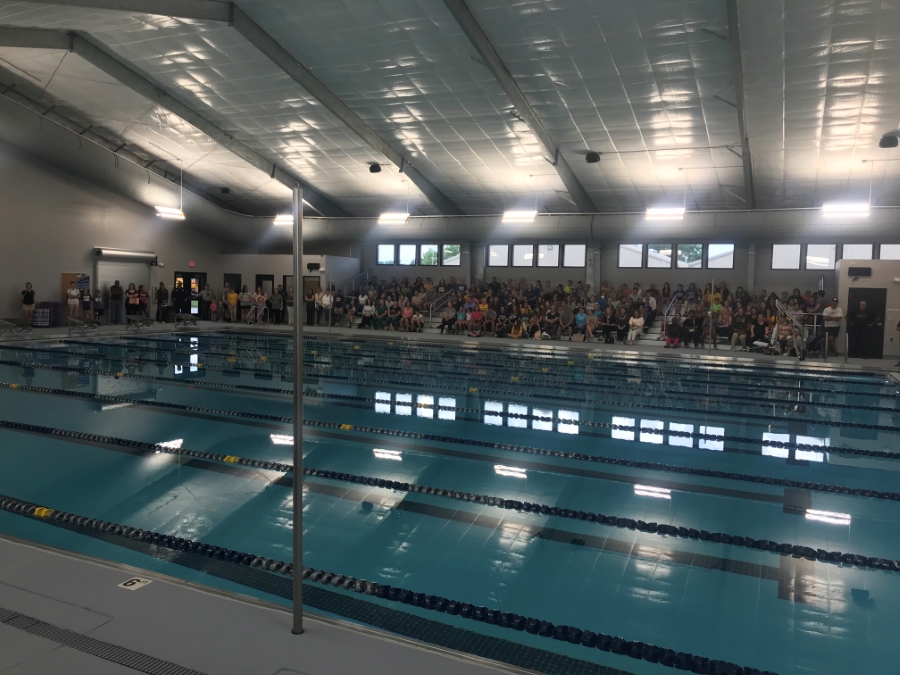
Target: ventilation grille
102, 650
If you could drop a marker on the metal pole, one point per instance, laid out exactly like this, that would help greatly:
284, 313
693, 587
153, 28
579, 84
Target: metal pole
298, 421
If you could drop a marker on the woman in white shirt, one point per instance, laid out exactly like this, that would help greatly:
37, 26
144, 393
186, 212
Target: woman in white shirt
74, 298
635, 326
325, 305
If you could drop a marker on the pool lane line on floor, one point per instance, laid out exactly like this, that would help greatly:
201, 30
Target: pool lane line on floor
272, 577
684, 375
472, 415
273, 421
555, 350
310, 369
200, 411
234, 465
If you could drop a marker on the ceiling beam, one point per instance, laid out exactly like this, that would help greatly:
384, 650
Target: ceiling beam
735, 41
198, 10
84, 47
486, 51
230, 13
282, 58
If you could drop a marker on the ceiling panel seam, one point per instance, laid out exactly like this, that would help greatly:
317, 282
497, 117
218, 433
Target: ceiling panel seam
470, 26
735, 40
83, 46
230, 13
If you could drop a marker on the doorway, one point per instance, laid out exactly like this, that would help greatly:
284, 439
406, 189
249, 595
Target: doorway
876, 299
310, 283
233, 281
265, 282
194, 282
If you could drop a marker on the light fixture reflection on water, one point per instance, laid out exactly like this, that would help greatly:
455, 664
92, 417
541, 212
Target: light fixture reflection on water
380, 453
511, 471
828, 517
650, 491
281, 439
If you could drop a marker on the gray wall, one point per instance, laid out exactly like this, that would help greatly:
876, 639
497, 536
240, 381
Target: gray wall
51, 222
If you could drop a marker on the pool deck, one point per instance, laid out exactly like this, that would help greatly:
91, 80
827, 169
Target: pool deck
644, 347
196, 631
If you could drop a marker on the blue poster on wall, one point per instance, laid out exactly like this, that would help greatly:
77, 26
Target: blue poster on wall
83, 281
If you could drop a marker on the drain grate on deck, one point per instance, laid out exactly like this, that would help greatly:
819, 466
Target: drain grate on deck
88, 645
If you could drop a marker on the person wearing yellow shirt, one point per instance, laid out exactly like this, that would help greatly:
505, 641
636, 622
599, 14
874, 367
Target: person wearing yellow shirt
482, 305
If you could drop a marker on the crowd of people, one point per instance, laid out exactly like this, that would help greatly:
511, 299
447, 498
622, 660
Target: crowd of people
690, 317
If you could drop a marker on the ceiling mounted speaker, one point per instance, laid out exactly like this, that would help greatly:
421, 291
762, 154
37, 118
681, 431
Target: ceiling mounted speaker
888, 141
592, 157
374, 168
312, 267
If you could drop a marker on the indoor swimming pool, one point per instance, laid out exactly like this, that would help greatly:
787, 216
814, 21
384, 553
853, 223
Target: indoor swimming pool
560, 510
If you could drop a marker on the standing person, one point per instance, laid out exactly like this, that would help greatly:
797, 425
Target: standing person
98, 305
116, 297
132, 301
833, 317
234, 300
246, 300
207, 296
259, 302
325, 304
86, 303
28, 303
277, 302
143, 301
309, 300
162, 300
289, 305
74, 300
337, 308
861, 327
223, 302
181, 298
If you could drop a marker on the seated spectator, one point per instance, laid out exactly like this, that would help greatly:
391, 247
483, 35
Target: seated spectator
739, 331
760, 332
692, 329
475, 326
381, 315
476, 316
674, 332
448, 318
592, 325
394, 317
622, 321
417, 323
534, 327
566, 322
517, 330
635, 326
580, 327
462, 321
406, 315
551, 322
368, 313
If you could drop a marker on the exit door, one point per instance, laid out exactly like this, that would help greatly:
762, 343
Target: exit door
266, 282
310, 283
193, 282
876, 300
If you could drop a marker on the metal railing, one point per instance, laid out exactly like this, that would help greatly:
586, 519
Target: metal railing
665, 318
795, 325
348, 285
438, 302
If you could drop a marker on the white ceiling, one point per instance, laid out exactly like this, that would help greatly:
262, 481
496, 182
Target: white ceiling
635, 81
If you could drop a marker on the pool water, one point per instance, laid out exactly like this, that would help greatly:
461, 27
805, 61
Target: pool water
532, 424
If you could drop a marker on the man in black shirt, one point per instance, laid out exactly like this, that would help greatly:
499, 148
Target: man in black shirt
337, 308
861, 327
181, 299
551, 322
760, 332
739, 330
692, 329
494, 286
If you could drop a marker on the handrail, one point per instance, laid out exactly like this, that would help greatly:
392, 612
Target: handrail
783, 311
665, 318
436, 303
350, 282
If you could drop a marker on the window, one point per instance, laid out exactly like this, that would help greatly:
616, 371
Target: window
498, 255
889, 252
659, 255
406, 254
684, 441
720, 256
785, 256
450, 254
820, 256
403, 404
631, 255
493, 407
709, 444
382, 402
568, 422
548, 255
447, 402
650, 431
543, 419
428, 254
857, 252
574, 255
689, 256
523, 255
385, 254
425, 406
517, 422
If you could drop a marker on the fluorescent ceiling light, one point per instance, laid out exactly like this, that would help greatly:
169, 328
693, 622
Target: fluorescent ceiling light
394, 217
284, 219
170, 213
387, 454
519, 216
650, 491
511, 471
674, 213
281, 439
828, 517
857, 209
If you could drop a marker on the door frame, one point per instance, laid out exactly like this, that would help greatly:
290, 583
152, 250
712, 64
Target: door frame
264, 277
